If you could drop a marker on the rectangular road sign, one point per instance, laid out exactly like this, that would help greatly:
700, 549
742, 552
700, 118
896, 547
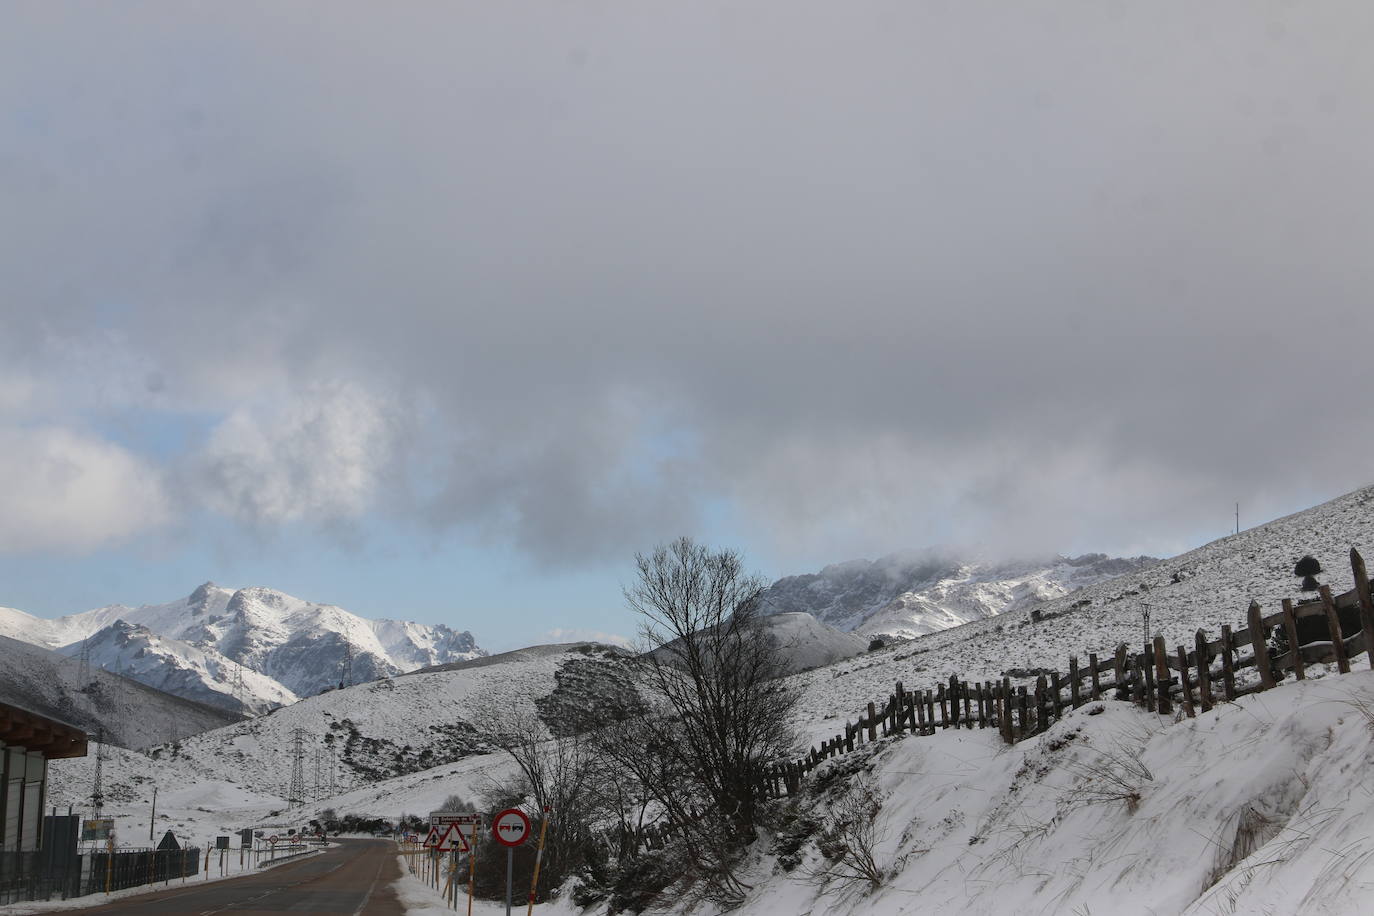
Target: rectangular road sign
453, 817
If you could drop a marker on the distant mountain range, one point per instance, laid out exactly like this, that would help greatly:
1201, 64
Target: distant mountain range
250, 649
911, 594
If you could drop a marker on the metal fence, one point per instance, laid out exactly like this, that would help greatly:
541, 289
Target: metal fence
35, 876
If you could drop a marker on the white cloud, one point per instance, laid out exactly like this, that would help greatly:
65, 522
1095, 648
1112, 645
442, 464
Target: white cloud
67, 490
319, 456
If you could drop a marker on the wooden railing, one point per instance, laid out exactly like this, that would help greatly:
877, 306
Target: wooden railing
1326, 629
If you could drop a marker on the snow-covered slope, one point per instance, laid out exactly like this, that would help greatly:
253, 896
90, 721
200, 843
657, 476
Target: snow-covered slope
180, 668
911, 594
416, 721
1258, 806
294, 647
132, 714
1206, 587
808, 643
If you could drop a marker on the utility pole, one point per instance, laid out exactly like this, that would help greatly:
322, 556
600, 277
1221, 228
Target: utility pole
152, 818
1237, 518
295, 796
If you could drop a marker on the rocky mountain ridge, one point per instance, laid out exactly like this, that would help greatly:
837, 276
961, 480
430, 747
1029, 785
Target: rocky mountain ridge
249, 649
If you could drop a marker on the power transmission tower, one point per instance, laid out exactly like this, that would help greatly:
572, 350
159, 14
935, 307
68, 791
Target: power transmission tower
295, 796
238, 684
97, 794
83, 671
317, 774
333, 771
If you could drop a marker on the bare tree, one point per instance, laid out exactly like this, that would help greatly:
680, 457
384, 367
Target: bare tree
721, 713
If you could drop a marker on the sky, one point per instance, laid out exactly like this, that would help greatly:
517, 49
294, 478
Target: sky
442, 311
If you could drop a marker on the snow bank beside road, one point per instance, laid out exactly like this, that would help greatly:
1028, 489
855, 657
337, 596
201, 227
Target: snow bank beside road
1263, 805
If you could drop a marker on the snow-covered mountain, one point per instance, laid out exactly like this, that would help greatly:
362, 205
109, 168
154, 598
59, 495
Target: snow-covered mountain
251, 648
133, 715
911, 594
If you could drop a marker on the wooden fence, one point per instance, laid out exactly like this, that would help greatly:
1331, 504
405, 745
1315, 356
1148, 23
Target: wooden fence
1323, 629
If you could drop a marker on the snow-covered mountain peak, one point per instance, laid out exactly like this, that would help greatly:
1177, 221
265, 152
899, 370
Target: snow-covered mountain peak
258, 644
916, 592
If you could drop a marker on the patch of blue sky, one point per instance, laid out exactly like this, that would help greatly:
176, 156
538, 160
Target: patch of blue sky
156, 434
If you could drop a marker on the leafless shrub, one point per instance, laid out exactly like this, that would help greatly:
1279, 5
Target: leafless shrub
849, 837
1116, 774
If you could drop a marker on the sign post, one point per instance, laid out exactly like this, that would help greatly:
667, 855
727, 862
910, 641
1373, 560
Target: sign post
457, 831
510, 828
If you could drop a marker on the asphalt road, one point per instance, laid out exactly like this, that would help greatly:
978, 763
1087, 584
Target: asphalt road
352, 880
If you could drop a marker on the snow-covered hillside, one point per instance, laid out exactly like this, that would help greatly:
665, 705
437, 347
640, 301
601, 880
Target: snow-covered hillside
1206, 587
287, 647
1258, 806
410, 722
132, 714
911, 594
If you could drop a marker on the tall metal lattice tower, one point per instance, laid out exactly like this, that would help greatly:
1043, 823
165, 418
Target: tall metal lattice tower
333, 771
295, 796
316, 796
97, 793
83, 670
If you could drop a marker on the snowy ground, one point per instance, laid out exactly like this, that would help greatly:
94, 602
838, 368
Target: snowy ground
1260, 806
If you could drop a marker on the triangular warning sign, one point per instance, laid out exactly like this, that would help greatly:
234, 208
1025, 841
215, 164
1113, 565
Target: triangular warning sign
433, 838
453, 839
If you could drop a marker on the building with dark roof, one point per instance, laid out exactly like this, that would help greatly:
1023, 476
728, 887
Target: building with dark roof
27, 742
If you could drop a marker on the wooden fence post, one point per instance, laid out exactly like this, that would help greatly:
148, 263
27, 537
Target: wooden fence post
1137, 682
1123, 690
872, 723
1333, 624
1162, 678
1147, 670
1366, 603
968, 706
1073, 682
1228, 667
1183, 682
1258, 646
1290, 628
1042, 719
1204, 674
930, 711
1055, 685
944, 706
982, 709
1009, 728
899, 711
1024, 702
1097, 688
954, 701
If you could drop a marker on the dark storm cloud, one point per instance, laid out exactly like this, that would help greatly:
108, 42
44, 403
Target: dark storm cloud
873, 274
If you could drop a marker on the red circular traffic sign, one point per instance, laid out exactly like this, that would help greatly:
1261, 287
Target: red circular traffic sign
511, 827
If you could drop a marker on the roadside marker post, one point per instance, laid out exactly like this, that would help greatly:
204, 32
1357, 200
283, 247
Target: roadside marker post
510, 828
538, 859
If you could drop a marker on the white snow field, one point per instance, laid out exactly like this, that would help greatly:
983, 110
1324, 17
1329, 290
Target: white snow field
1262, 806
